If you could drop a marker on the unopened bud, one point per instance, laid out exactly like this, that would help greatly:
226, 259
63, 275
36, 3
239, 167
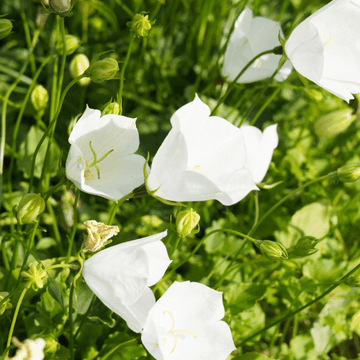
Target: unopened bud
141, 25
34, 276
314, 94
186, 222
349, 172
72, 43
78, 65
29, 208
334, 123
98, 235
304, 247
111, 108
5, 27
272, 250
39, 99
60, 6
103, 70
6, 304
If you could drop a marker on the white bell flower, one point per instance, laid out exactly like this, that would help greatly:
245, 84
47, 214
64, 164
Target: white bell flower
185, 323
252, 36
325, 48
259, 149
120, 277
101, 159
203, 157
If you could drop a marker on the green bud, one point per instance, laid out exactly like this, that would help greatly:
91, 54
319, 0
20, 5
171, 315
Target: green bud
314, 94
304, 247
272, 250
102, 70
5, 28
349, 172
186, 222
6, 304
334, 123
60, 6
78, 65
141, 25
34, 276
29, 208
72, 44
111, 108
40, 99
51, 345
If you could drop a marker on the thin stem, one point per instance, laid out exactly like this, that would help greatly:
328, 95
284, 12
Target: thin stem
175, 247
123, 73
14, 319
328, 176
116, 206
72, 236
71, 325
256, 199
104, 355
292, 313
233, 83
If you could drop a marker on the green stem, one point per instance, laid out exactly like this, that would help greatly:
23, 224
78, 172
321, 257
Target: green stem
14, 319
125, 8
3, 114
53, 189
328, 176
46, 132
116, 206
105, 354
123, 73
175, 247
292, 313
71, 324
72, 236
233, 83
256, 199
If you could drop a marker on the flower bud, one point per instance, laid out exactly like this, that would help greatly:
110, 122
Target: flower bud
186, 221
334, 123
6, 304
111, 108
30, 206
272, 250
34, 276
304, 247
5, 28
103, 70
51, 345
141, 25
60, 6
349, 172
98, 235
314, 94
72, 44
40, 99
351, 281
78, 65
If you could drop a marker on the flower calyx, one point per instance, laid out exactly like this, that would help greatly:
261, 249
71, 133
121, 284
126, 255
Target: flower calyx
35, 276
272, 250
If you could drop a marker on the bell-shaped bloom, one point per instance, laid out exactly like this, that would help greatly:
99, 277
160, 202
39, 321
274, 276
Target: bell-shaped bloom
252, 36
120, 277
185, 323
259, 149
203, 157
101, 159
325, 48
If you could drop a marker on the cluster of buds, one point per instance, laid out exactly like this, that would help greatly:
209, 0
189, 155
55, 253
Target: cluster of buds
98, 235
187, 223
35, 276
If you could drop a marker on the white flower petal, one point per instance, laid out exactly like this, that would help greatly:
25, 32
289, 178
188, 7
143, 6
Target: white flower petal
185, 324
259, 149
324, 48
252, 36
202, 158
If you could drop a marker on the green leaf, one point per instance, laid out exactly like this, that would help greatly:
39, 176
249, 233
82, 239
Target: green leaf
55, 291
83, 298
302, 347
45, 243
27, 149
251, 356
100, 314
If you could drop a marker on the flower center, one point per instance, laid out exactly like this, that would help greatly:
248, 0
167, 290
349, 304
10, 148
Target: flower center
87, 171
174, 332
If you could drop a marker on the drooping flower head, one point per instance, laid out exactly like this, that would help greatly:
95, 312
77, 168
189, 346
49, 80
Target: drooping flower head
120, 276
101, 159
203, 157
325, 48
252, 36
259, 149
185, 323
29, 349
